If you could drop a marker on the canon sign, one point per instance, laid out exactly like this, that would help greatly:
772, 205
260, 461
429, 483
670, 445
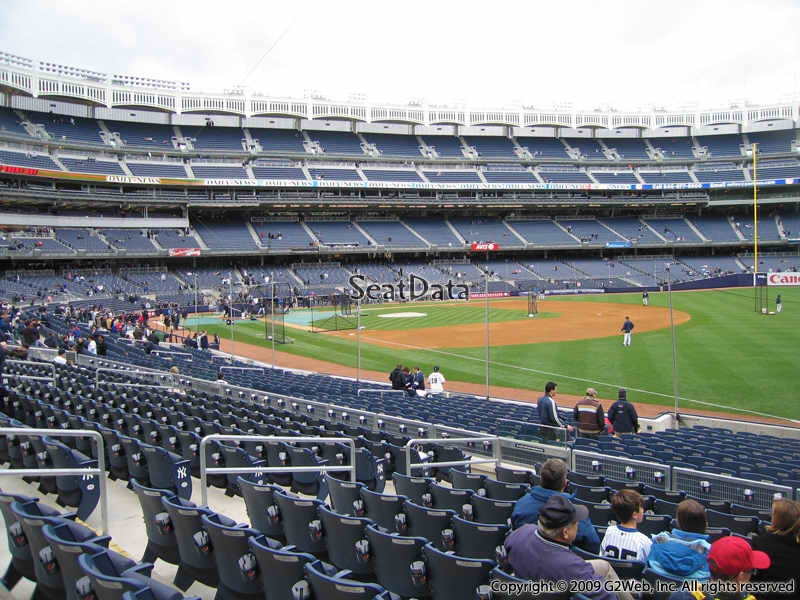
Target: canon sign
783, 278
484, 247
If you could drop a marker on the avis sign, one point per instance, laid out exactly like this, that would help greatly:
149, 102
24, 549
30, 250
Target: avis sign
484, 247
784, 278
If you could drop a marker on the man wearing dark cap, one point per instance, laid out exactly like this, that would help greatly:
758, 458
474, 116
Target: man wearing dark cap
732, 562
542, 552
622, 415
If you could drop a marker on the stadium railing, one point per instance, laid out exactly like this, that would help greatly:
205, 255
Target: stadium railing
205, 470
621, 468
88, 475
511, 450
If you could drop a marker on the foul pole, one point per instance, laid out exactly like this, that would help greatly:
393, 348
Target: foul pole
755, 212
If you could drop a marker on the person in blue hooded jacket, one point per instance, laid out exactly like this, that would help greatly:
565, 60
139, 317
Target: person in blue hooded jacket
553, 476
683, 551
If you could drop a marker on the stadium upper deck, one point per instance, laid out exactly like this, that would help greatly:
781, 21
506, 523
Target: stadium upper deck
70, 120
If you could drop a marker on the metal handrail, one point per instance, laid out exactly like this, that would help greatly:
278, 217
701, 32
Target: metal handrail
204, 470
453, 463
160, 352
100, 471
557, 430
262, 369
32, 362
379, 391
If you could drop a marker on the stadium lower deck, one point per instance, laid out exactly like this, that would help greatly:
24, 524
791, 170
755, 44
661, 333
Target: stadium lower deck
152, 423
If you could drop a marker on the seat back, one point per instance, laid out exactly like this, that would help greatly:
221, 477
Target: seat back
235, 563
168, 471
194, 545
341, 534
280, 567
392, 556
325, 587
343, 494
381, 508
499, 490
413, 488
294, 515
427, 523
68, 541
32, 516
454, 577
449, 498
466, 481
110, 574
161, 542
258, 497
487, 510
476, 540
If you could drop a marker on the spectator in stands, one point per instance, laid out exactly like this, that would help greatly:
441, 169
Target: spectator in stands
101, 345
91, 346
589, 415
204, 340
408, 382
731, 560
396, 378
541, 552
221, 378
622, 415
51, 341
682, 552
781, 542
30, 333
419, 382
553, 477
436, 382
548, 414
623, 541
60, 358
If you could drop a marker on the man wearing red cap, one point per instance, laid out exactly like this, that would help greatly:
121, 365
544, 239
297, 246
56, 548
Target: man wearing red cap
732, 562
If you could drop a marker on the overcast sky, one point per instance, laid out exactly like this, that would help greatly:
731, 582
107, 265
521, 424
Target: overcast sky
624, 53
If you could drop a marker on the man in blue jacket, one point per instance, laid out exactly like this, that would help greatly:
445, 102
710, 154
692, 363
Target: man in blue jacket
548, 415
553, 476
542, 552
419, 382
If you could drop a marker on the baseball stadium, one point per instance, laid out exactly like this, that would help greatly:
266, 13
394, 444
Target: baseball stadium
209, 301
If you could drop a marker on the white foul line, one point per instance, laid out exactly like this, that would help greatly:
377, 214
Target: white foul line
595, 382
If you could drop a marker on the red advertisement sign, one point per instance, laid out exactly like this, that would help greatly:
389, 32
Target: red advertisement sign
484, 246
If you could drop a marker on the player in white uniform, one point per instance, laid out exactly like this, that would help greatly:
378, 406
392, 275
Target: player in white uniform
624, 541
436, 382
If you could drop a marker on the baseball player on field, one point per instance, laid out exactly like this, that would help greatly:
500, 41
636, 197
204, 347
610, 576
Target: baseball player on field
645, 298
627, 327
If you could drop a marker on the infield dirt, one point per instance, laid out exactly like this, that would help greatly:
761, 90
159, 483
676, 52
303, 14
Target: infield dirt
576, 321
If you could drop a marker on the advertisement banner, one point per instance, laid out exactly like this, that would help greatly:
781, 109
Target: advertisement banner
484, 247
396, 185
491, 295
178, 252
783, 278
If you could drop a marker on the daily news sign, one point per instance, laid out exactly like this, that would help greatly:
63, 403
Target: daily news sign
783, 278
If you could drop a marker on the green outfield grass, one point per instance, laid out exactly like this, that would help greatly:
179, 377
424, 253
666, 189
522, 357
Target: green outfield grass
434, 316
727, 354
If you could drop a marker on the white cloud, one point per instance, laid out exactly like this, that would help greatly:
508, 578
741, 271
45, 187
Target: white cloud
624, 53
